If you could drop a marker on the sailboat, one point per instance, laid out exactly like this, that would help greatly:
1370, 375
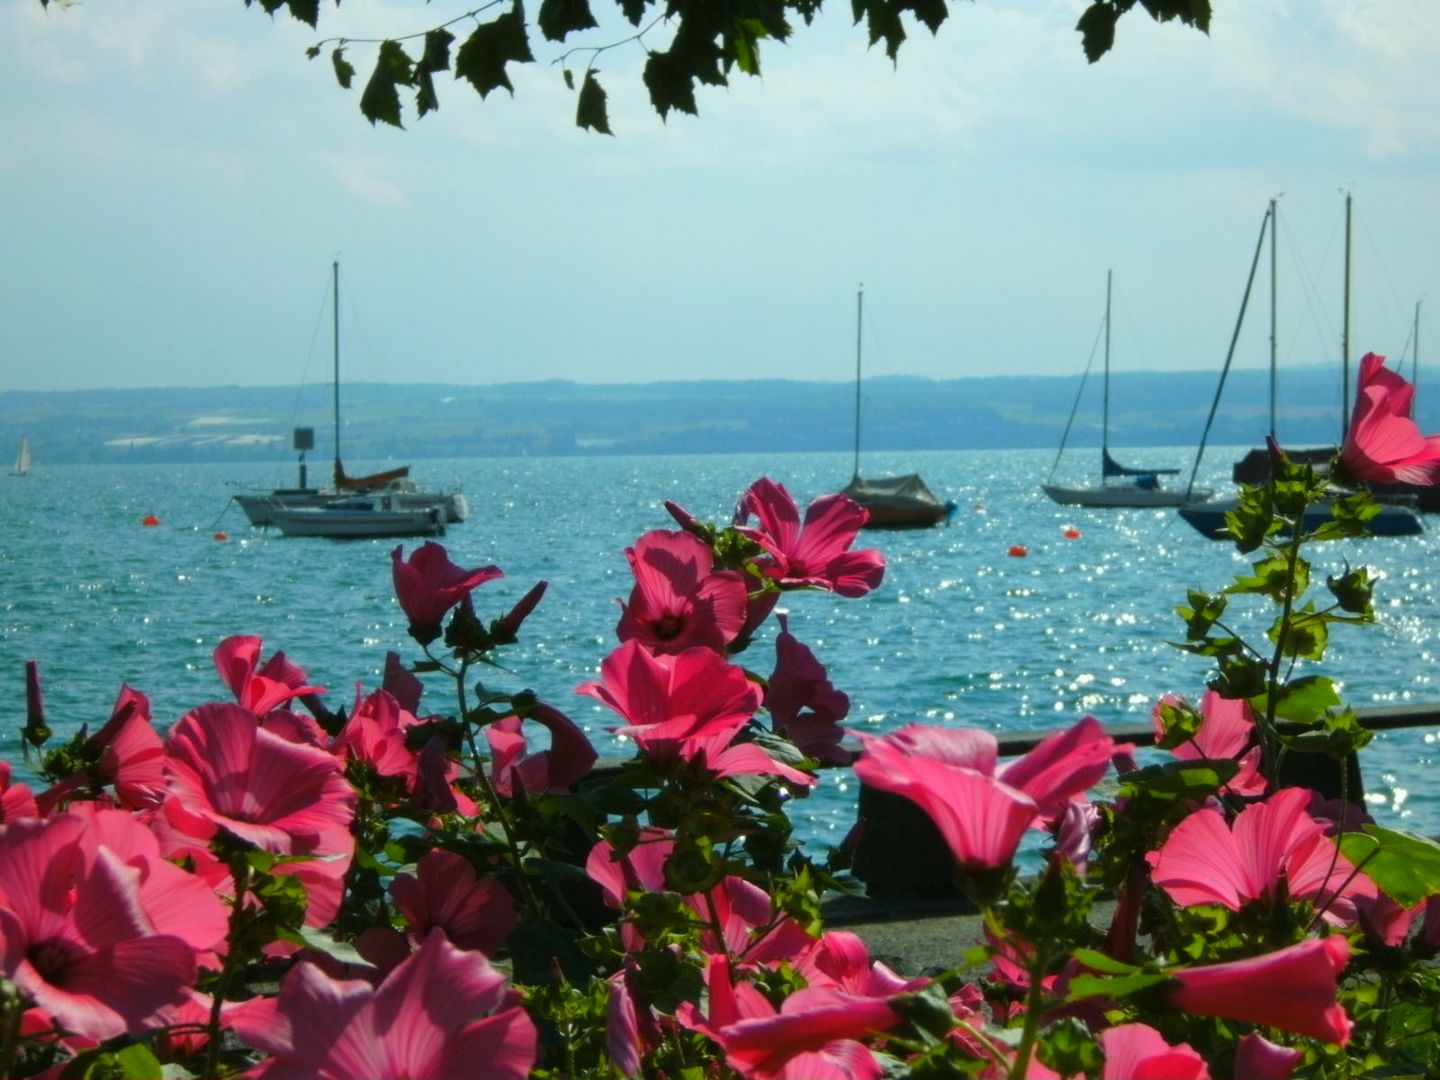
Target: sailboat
22, 458
1120, 485
399, 492
894, 502
1397, 516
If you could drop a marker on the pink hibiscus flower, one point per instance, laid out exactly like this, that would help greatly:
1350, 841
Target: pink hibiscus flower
1257, 1058
225, 772
817, 555
981, 808
441, 1013
429, 585
803, 705
126, 753
1292, 989
257, 688
74, 936
1205, 861
1383, 443
445, 893
1227, 733
568, 759
1139, 1052
675, 704
375, 735
16, 800
679, 601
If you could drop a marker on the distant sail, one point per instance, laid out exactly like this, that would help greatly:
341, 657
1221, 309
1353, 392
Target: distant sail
22, 459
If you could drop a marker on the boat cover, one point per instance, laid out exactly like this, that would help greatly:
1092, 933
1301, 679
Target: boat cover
374, 480
899, 492
1110, 467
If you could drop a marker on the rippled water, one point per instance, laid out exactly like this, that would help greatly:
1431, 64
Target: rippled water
960, 633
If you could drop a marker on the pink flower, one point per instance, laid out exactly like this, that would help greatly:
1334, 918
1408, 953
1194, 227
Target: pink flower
981, 808
16, 800
1257, 1058
679, 601
375, 735
814, 1036
401, 683
508, 625
568, 759
981, 818
1227, 733
819, 555
1204, 861
429, 585
441, 1013
1383, 443
445, 893
74, 937
1292, 989
1139, 1052
259, 689
125, 752
676, 704
225, 772
803, 705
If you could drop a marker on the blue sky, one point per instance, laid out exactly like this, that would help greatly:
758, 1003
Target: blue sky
178, 178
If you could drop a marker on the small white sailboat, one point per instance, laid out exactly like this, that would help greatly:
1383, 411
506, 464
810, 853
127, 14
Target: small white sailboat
22, 459
1120, 485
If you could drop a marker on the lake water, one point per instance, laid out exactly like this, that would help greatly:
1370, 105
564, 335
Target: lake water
960, 633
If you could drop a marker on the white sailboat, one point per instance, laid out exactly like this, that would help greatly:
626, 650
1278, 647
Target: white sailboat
22, 458
401, 493
1120, 485
894, 502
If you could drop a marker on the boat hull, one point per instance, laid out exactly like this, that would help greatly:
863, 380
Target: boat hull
1208, 519
261, 509
359, 524
1123, 496
898, 502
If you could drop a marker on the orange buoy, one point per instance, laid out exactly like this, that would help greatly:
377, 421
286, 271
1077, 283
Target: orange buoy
1072, 533
149, 520
979, 508
1018, 551
221, 536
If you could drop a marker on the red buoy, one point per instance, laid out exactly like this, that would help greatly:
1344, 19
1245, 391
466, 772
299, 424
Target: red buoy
149, 520
221, 536
1072, 533
1019, 551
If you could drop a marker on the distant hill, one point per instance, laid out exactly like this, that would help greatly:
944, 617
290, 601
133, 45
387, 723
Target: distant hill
417, 421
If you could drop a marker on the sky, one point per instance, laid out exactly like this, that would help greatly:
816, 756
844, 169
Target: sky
177, 179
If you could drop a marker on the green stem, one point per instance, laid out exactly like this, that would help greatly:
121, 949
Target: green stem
12, 1009
1268, 735
527, 895
1034, 998
235, 957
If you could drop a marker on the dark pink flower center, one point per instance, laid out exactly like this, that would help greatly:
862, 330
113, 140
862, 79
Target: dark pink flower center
52, 959
669, 626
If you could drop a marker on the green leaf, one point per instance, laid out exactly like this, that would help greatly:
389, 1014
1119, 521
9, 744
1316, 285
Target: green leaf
134, 1062
1336, 734
381, 99
1113, 987
344, 70
1406, 867
1100, 962
483, 57
671, 85
1272, 579
1097, 29
1240, 676
557, 18
1303, 700
1179, 723
590, 111
1306, 638
1201, 614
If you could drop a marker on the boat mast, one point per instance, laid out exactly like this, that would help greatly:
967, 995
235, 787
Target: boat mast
1105, 398
1415, 361
335, 337
1345, 335
859, 316
1273, 238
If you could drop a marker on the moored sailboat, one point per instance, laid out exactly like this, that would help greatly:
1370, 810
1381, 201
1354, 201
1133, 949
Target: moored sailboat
893, 502
394, 484
1120, 486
